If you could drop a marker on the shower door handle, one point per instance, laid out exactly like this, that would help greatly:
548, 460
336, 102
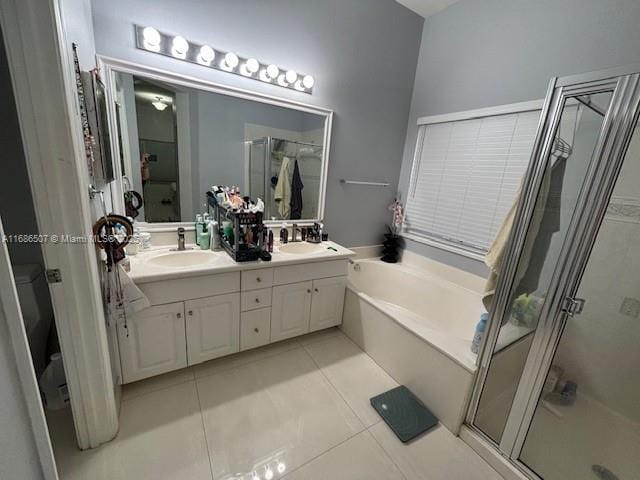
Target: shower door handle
573, 306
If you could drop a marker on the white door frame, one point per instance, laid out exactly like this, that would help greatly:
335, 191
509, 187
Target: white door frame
13, 314
44, 86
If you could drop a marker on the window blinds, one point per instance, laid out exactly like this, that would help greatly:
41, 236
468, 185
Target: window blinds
465, 178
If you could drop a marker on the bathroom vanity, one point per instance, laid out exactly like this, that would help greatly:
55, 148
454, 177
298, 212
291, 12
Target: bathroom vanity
204, 305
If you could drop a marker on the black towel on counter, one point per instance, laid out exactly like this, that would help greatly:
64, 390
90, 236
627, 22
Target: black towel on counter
296, 194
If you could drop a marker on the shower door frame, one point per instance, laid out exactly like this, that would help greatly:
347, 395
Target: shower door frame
604, 166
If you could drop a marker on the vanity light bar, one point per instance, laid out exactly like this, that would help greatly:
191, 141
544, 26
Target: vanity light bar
176, 46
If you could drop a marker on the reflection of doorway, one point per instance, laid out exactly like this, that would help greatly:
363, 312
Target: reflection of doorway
158, 144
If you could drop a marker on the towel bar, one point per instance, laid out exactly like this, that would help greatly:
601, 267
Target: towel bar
359, 182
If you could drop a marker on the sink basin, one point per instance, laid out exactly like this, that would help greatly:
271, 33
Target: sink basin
301, 248
188, 258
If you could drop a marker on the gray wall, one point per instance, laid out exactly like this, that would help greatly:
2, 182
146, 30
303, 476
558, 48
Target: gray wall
362, 53
482, 53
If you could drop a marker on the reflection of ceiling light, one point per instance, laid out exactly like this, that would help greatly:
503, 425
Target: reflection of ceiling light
281, 467
159, 104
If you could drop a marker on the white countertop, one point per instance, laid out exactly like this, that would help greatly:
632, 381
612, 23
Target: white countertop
143, 271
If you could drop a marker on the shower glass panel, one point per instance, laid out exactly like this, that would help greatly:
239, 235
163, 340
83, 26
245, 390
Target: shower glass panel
587, 421
574, 143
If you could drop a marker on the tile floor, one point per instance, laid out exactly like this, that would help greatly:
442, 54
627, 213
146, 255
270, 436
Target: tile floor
297, 410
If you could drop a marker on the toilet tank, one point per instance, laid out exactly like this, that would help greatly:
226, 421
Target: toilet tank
33, 293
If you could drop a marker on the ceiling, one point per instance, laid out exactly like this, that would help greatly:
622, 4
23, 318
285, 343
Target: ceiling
426, 7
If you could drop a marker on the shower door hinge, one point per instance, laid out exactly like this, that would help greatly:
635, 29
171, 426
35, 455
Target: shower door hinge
573, 306
54, 275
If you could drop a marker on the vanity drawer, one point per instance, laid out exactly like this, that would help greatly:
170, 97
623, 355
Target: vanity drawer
175, 290
255, 299
255, 328
309, 271
254, 279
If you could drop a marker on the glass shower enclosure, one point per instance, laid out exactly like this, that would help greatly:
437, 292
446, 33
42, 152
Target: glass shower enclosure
558, 385
263, 168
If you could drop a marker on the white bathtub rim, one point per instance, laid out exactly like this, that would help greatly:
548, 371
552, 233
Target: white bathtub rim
470, 366
423, 272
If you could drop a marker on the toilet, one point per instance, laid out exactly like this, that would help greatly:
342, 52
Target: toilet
37, 311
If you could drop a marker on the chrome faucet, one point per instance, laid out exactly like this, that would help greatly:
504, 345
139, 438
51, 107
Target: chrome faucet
181, 246
294, 236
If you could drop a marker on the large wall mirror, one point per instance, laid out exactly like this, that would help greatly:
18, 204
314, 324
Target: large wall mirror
177, 137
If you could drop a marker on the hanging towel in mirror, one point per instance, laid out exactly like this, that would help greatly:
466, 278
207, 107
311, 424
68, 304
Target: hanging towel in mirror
296, 193
282, 195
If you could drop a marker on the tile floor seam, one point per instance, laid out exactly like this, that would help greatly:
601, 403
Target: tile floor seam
335, 388
155, 390
204, 428
231, 367
388, 454
324, 452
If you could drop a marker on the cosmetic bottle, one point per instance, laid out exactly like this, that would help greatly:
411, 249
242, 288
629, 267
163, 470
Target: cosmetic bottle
284, 234
198, 226
215, 235
270, 241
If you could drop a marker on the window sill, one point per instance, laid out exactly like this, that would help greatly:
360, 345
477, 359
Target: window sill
443, 246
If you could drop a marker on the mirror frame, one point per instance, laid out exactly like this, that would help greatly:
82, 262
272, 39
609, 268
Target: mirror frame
109, 67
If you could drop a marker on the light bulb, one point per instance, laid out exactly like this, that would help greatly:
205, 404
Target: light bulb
291, 76
281, 467
272, 71
282, 81
231, 59
207, 54
180, 46
263, 76
151, 37
252, 65
308, 81
268, 474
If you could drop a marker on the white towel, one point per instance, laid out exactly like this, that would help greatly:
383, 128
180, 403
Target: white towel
282, 195
127, 300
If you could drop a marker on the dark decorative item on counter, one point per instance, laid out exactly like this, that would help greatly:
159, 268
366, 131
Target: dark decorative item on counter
393, 241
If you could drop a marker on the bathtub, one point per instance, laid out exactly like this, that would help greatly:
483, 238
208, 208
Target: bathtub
417, 324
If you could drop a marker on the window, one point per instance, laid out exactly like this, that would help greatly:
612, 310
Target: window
466, 173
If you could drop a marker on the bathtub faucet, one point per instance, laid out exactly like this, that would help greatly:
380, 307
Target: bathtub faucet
356, 266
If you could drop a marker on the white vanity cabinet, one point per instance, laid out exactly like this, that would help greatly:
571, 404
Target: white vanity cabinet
212, 327
290, 310
198, 318
327, 303
152, 342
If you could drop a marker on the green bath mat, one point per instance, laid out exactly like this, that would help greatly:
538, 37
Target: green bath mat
404, 413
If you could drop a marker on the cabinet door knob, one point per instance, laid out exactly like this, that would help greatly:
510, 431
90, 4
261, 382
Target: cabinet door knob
315, 289
308, 290
258, 279
256, 329
257, 300
190, 312
178, 315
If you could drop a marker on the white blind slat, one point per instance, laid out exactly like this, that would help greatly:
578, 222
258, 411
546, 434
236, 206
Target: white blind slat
467, 176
